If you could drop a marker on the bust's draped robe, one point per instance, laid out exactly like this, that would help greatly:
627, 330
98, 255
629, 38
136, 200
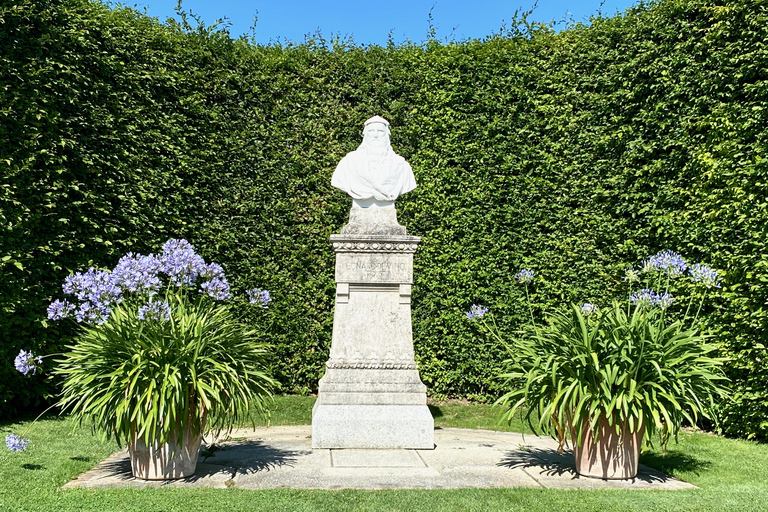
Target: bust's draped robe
365, 175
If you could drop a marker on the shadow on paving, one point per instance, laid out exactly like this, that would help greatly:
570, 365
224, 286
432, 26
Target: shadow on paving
282, 457
551, 463
242, 457
252, 456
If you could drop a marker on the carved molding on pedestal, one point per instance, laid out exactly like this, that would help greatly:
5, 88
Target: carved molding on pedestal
370, 365
391, 244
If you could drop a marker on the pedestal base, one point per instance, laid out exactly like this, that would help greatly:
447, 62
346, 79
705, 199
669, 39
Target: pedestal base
372, 426
371, 395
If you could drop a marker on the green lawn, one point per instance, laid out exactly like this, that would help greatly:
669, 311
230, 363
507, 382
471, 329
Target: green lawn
731, 475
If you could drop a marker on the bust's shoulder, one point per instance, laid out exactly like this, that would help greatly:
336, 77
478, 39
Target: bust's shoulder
354, 155
400, 160
348, 159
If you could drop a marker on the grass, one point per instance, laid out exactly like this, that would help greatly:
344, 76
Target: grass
729, 472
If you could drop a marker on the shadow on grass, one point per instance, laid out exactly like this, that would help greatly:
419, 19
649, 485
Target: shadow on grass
551, 463
242, 457
675, 462
32, 467
435, 410
29, 415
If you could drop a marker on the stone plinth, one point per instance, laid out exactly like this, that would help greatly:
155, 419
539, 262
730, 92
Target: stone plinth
371, 395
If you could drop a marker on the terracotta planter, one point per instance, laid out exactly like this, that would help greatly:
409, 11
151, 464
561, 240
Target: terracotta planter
166, 461
613, 457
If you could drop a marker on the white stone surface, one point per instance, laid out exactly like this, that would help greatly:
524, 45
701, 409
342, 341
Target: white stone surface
374, 175
372, 220
372, 426
281, 457
371, 395
383, 459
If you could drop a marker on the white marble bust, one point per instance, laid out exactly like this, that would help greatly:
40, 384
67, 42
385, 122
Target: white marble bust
374, 175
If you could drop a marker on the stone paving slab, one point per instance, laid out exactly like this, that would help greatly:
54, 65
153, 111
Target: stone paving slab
282, 457
376, 459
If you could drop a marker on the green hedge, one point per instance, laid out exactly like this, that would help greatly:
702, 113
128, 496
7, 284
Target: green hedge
575, 154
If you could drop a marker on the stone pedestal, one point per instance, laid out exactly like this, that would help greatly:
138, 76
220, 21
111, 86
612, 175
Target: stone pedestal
371, 395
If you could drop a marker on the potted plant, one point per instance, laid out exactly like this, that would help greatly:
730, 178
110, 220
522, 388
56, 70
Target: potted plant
161, 358
606, 377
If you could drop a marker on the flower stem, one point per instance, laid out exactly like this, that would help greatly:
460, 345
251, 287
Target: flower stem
494, 332
38, 417
51, 355
688, 309
701, 303
530, 309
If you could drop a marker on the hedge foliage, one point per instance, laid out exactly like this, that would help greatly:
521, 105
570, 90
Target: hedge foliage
575, 154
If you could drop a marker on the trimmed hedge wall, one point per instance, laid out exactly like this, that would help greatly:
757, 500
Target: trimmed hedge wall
575, 154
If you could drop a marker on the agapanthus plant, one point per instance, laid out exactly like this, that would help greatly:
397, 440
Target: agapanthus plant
160, 348
648, 297
25, 363
139, 278
633, 362
259, 296
525, 276
16, 443
476, 311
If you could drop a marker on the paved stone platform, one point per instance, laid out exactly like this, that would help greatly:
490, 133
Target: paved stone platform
282, 457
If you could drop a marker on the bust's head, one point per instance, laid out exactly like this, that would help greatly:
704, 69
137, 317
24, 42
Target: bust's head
373, 174
376, 133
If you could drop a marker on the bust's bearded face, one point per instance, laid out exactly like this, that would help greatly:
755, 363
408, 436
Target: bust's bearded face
375, 136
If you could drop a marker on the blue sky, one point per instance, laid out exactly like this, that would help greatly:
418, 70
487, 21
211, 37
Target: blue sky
370, 21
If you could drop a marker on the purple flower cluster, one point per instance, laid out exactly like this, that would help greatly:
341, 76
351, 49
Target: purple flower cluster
212, 271
476, 311
649, 297
153, 310
26, 362
60, 309
674, 265
92, 313
259, 296
137, 273
217, 288
99, 290
15, 443
705, 275
668, 262
525, 276
181, 263
588, 308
